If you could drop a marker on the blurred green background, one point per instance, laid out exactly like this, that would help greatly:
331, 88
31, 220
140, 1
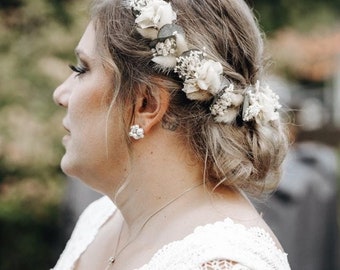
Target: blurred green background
37, 38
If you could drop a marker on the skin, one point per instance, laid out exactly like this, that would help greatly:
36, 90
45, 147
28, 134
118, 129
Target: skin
158, 170
84, 97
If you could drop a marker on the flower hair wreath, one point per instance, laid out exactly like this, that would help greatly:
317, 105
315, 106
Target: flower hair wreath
202, 78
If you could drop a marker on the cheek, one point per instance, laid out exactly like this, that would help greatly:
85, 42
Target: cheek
98, 147
97, 159
88, 108
116, 134
87, 119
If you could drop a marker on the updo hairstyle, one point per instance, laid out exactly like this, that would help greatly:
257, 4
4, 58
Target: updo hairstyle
244, 155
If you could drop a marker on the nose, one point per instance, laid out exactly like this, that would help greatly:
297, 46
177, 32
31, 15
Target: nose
61, 94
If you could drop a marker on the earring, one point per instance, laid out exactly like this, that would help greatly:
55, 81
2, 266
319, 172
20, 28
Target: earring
136, 132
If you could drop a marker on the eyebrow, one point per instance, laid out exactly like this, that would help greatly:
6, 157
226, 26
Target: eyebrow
80, 54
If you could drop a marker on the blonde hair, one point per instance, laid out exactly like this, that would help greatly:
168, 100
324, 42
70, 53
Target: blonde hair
244, 155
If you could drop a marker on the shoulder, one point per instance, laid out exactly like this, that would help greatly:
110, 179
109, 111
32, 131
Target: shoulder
253, 248
99, 209
86, 229
93, 217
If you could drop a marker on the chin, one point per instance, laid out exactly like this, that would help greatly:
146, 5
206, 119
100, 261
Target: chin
72, 168
67, 166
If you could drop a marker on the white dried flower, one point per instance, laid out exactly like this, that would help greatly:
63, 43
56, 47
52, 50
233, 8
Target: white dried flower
199, 75
194, 93
188, 65
165, 48
261, 104
153, 13
137, 5
209, 76
225, 107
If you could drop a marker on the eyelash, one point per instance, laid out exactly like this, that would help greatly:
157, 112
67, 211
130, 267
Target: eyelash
78, 69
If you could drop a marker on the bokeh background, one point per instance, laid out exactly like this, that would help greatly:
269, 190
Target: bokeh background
37, 38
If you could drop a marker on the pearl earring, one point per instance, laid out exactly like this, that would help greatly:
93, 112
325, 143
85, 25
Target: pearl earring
136, 132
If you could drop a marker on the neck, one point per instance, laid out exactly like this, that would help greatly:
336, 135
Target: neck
156, 181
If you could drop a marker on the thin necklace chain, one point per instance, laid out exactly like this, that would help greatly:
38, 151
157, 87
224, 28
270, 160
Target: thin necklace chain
112, 259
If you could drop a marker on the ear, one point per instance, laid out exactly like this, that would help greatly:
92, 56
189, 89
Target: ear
150, 107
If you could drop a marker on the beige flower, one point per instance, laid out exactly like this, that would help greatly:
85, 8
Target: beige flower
153, 16
209, 76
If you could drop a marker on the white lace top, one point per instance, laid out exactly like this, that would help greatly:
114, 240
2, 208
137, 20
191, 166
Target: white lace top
224, 245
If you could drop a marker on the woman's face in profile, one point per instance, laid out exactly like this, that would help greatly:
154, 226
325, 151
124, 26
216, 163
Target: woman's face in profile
94, 150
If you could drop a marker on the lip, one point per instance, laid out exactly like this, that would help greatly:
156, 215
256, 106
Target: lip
65, 139
65, 127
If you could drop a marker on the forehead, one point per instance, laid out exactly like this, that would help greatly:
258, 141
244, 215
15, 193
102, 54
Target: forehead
87, 42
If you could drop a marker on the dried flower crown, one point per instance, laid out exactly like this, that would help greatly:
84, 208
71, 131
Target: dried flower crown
202, 78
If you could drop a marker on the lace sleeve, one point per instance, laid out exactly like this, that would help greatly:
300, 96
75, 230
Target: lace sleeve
224, 245
222, 265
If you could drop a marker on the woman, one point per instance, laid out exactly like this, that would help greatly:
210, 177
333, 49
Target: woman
167, 117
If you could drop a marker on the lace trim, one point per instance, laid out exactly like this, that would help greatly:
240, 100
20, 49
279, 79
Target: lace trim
222, 265
225, 241
86, 229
